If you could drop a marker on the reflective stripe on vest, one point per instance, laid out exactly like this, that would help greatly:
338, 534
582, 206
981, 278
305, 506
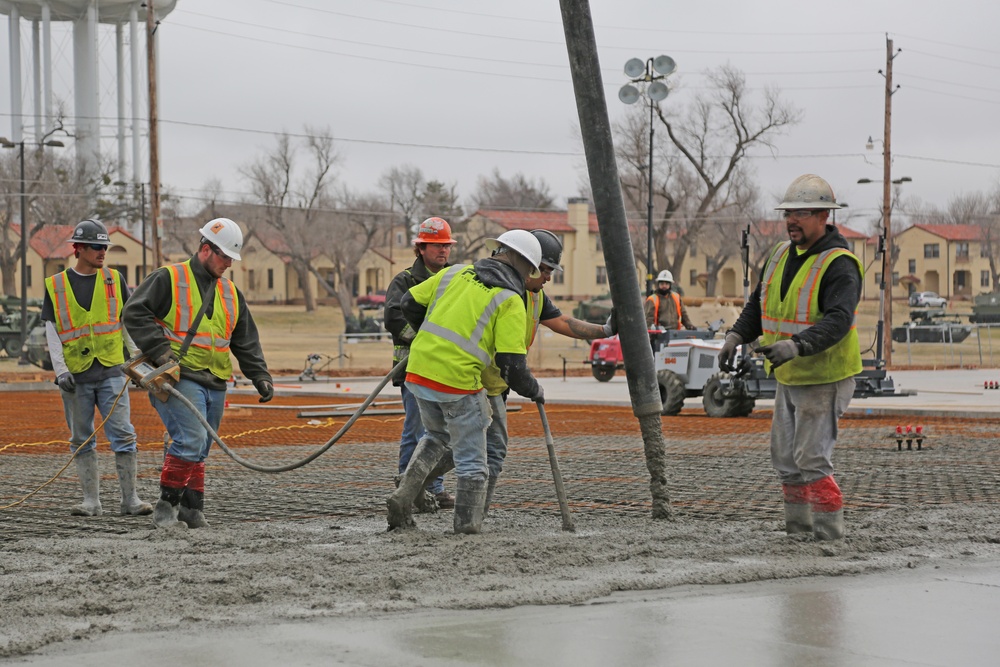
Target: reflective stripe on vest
468, 345
534, 311
656, 307
785, 328
88, 334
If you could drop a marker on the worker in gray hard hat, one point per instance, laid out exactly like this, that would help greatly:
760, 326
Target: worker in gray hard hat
82, 315
804, 310
665, 308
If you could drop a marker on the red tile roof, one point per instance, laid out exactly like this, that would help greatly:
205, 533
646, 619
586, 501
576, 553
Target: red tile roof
554, 221
953, 232
52, 241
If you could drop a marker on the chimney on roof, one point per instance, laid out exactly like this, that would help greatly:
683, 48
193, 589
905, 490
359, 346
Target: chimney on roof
577, 200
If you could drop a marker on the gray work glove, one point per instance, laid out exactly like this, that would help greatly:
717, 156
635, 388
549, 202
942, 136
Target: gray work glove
727, 355
66, 382
266, 390
610, 327
781, 352
539, 396
407, 334
165, 358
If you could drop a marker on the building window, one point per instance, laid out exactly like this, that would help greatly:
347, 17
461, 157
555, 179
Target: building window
270, 279
878, 277
911, 266
960, 280
932, 250
693, 250
850, 246
895, 278
30, 283
984, 250
558, 277
984, 278
597, 243
400, 241
962, 250
602, 275
251, 280
693, 277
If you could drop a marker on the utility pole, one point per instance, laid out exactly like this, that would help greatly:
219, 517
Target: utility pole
154, 153
887, 201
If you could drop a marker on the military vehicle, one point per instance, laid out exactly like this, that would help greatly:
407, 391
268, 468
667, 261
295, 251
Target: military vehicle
931, 325
985, 309
10, 323
38, 348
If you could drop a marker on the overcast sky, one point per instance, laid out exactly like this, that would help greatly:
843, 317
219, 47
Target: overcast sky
458, 88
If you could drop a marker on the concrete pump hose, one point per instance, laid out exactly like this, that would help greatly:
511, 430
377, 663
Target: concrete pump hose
298, 464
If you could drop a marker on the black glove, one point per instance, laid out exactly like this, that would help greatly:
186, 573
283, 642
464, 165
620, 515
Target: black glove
690, 327
539, 396
610, 327
66, 382
727, 355
166, 358
266, 390
781, 352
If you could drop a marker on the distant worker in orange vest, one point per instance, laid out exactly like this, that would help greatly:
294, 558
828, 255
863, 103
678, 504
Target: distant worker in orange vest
665, 308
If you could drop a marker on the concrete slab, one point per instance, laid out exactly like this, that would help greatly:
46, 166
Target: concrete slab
942, 615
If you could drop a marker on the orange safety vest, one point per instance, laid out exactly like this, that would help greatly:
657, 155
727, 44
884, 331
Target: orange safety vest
655, 298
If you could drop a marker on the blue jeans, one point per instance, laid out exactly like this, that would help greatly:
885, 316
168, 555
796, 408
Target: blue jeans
496, 436
460, 425
413, 430
190, 440
78, 406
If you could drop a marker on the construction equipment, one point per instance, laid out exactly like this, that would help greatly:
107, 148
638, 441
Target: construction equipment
157, 380
10, 323
311, 367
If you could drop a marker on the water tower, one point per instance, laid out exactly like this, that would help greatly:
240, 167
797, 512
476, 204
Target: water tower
32, 111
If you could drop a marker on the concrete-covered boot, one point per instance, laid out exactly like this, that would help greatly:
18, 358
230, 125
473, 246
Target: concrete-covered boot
400, 504
798, 511
192, 509
165, 512
470, 502
425, 503
125, 466
828, 525
491, 485
90, 482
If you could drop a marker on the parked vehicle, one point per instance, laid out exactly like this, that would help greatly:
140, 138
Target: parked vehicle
927, 300
10, 323
372, 300
985, 309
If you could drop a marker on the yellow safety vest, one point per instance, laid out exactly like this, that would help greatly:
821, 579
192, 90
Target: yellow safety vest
798, 311
491, 374
210, 345
89, 334
467, 322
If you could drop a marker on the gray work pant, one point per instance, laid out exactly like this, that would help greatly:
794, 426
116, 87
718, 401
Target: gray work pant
804, 429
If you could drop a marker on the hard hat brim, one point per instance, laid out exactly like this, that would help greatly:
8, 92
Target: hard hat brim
797, 205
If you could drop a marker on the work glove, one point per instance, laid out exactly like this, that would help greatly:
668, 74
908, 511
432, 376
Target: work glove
727, 355
66, 382
539, 396
407, 334
610, 327
690, 327
266, 390
781, 352
167, 357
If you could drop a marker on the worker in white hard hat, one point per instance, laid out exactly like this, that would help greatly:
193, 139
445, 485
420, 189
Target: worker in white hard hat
804, 310
164, 309
665, 308
465, 316
432, 247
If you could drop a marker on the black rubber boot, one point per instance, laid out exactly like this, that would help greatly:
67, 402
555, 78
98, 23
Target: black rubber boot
165, 512
470, 499
400, 504
192, 509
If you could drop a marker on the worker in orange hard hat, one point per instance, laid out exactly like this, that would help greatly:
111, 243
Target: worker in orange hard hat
432, 247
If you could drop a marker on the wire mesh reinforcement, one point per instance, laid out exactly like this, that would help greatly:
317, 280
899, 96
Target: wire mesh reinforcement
719, 469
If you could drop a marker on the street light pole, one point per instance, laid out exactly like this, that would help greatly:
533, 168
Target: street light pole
649, 72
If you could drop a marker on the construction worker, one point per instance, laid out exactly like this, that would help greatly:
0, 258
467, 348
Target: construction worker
804, 308
432, 246
82, 314
169, 324
540, 310
464, 317
665, 309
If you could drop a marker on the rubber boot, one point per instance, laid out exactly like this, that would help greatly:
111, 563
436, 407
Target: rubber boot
828, 525
798, 511
90, 482
491, 485
424, 503
470, 501
400, 504
192, 509
798, 518
131, 505
165, 512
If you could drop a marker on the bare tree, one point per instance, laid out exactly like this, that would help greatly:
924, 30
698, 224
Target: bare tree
518, 192
292, 198
404, 186
702, 175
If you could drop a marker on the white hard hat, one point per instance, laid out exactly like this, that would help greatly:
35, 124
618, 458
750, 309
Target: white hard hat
665, 277
224, 234
808, 191
523, 243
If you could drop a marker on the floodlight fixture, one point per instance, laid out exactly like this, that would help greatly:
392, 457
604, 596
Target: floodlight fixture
664, 65
657, 91
635, 68
629, 94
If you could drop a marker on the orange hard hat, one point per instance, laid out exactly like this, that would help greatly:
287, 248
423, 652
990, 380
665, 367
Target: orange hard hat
434, 230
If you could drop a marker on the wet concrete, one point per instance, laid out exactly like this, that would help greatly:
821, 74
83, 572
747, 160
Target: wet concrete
942, 614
